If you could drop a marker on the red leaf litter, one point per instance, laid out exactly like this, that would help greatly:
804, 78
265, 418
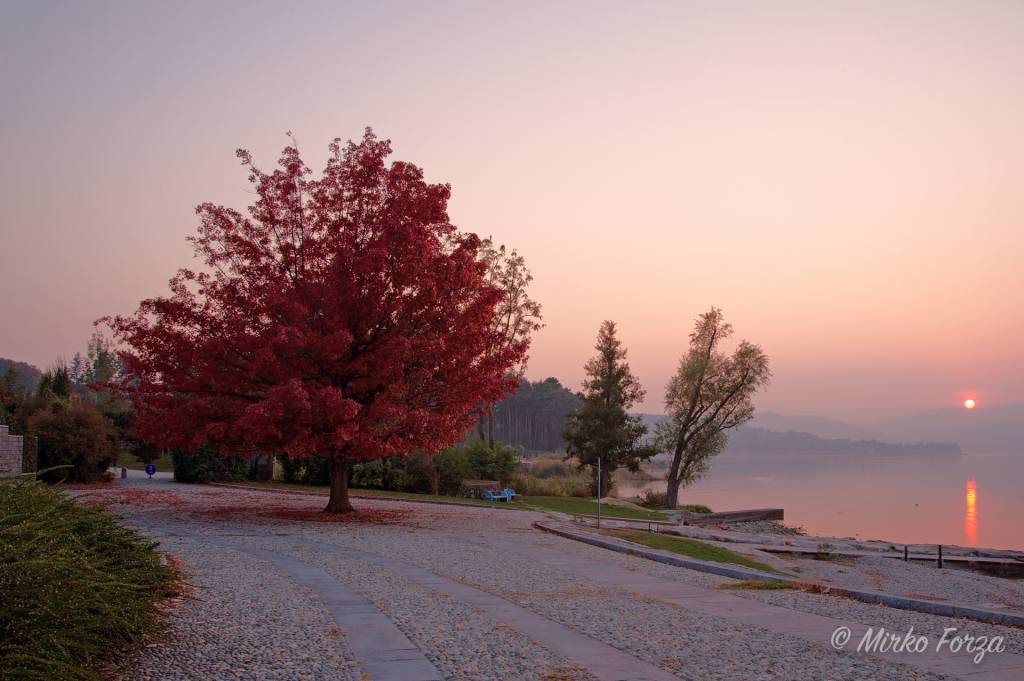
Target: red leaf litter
238, 505
89, 486
377, 516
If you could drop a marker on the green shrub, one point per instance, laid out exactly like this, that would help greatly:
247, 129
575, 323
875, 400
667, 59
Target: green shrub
490, 463
548, 487
441, 473
307, 471
205, 465
78, 436
652, 499
387, 474
552, 468
75, 585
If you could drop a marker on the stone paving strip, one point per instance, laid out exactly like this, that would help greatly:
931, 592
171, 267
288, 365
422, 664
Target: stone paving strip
601, 660
812, 627
688, 644
384, 653
242, 619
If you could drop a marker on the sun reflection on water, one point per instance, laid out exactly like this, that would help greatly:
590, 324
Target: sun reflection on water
971, 515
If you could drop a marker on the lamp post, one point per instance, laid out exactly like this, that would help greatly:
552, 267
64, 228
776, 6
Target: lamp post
599, 493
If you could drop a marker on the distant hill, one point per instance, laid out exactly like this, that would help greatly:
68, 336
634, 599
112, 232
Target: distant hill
27, 374
749, 440
533, 418
762, 441
996, 429
815, 425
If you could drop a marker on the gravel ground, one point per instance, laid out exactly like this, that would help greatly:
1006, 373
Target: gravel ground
891, 618
250, 621
915, 580
701, 647
685, 643
768, 527
244, 620
461, 641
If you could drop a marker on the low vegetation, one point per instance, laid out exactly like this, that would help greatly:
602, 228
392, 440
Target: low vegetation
569, 505
659, 500
758, 585
75, 586
204, 465
576, 506
550, 477
691, 548
440, 474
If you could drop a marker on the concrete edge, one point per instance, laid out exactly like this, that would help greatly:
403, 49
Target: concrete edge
874, 597
622, 546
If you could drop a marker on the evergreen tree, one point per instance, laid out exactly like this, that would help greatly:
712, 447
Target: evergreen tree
603, 428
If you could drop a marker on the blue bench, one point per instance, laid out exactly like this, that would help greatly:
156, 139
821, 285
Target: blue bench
506, 494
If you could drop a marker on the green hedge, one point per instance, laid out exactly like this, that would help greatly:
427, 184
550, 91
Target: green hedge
205, 465
441, 473
74, 585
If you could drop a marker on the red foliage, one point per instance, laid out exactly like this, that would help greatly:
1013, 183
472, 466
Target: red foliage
343, 317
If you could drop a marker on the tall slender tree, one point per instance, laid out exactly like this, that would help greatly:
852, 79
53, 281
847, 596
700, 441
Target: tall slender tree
710, 394
517, 316
344, 318
603, 428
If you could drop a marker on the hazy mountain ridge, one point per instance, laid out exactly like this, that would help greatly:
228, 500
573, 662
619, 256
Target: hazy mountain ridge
767, 442
996, 429
815, 425
750, 440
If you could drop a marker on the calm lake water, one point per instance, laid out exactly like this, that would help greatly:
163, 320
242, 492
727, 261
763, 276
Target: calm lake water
972, 500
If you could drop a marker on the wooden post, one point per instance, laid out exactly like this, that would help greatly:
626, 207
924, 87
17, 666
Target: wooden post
940, 556
906, 554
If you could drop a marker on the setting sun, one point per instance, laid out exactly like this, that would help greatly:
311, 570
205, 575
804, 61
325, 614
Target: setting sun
969, 404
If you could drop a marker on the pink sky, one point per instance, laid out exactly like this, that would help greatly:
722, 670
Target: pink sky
843, 179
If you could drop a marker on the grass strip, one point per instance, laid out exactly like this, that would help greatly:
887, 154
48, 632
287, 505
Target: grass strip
692, 548
757, 585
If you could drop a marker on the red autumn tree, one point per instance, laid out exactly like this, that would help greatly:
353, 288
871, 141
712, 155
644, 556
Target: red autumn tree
344, 317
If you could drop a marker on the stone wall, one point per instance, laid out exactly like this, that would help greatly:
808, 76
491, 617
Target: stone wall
11, 448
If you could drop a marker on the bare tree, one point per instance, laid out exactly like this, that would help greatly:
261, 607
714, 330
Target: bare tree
517, 316
710, 394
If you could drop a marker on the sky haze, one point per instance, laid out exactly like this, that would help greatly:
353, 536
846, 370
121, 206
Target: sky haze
843, 179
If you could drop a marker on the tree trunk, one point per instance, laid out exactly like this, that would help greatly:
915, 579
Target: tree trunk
490, 430
338, 503
672, 493
673, 480
480, 428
